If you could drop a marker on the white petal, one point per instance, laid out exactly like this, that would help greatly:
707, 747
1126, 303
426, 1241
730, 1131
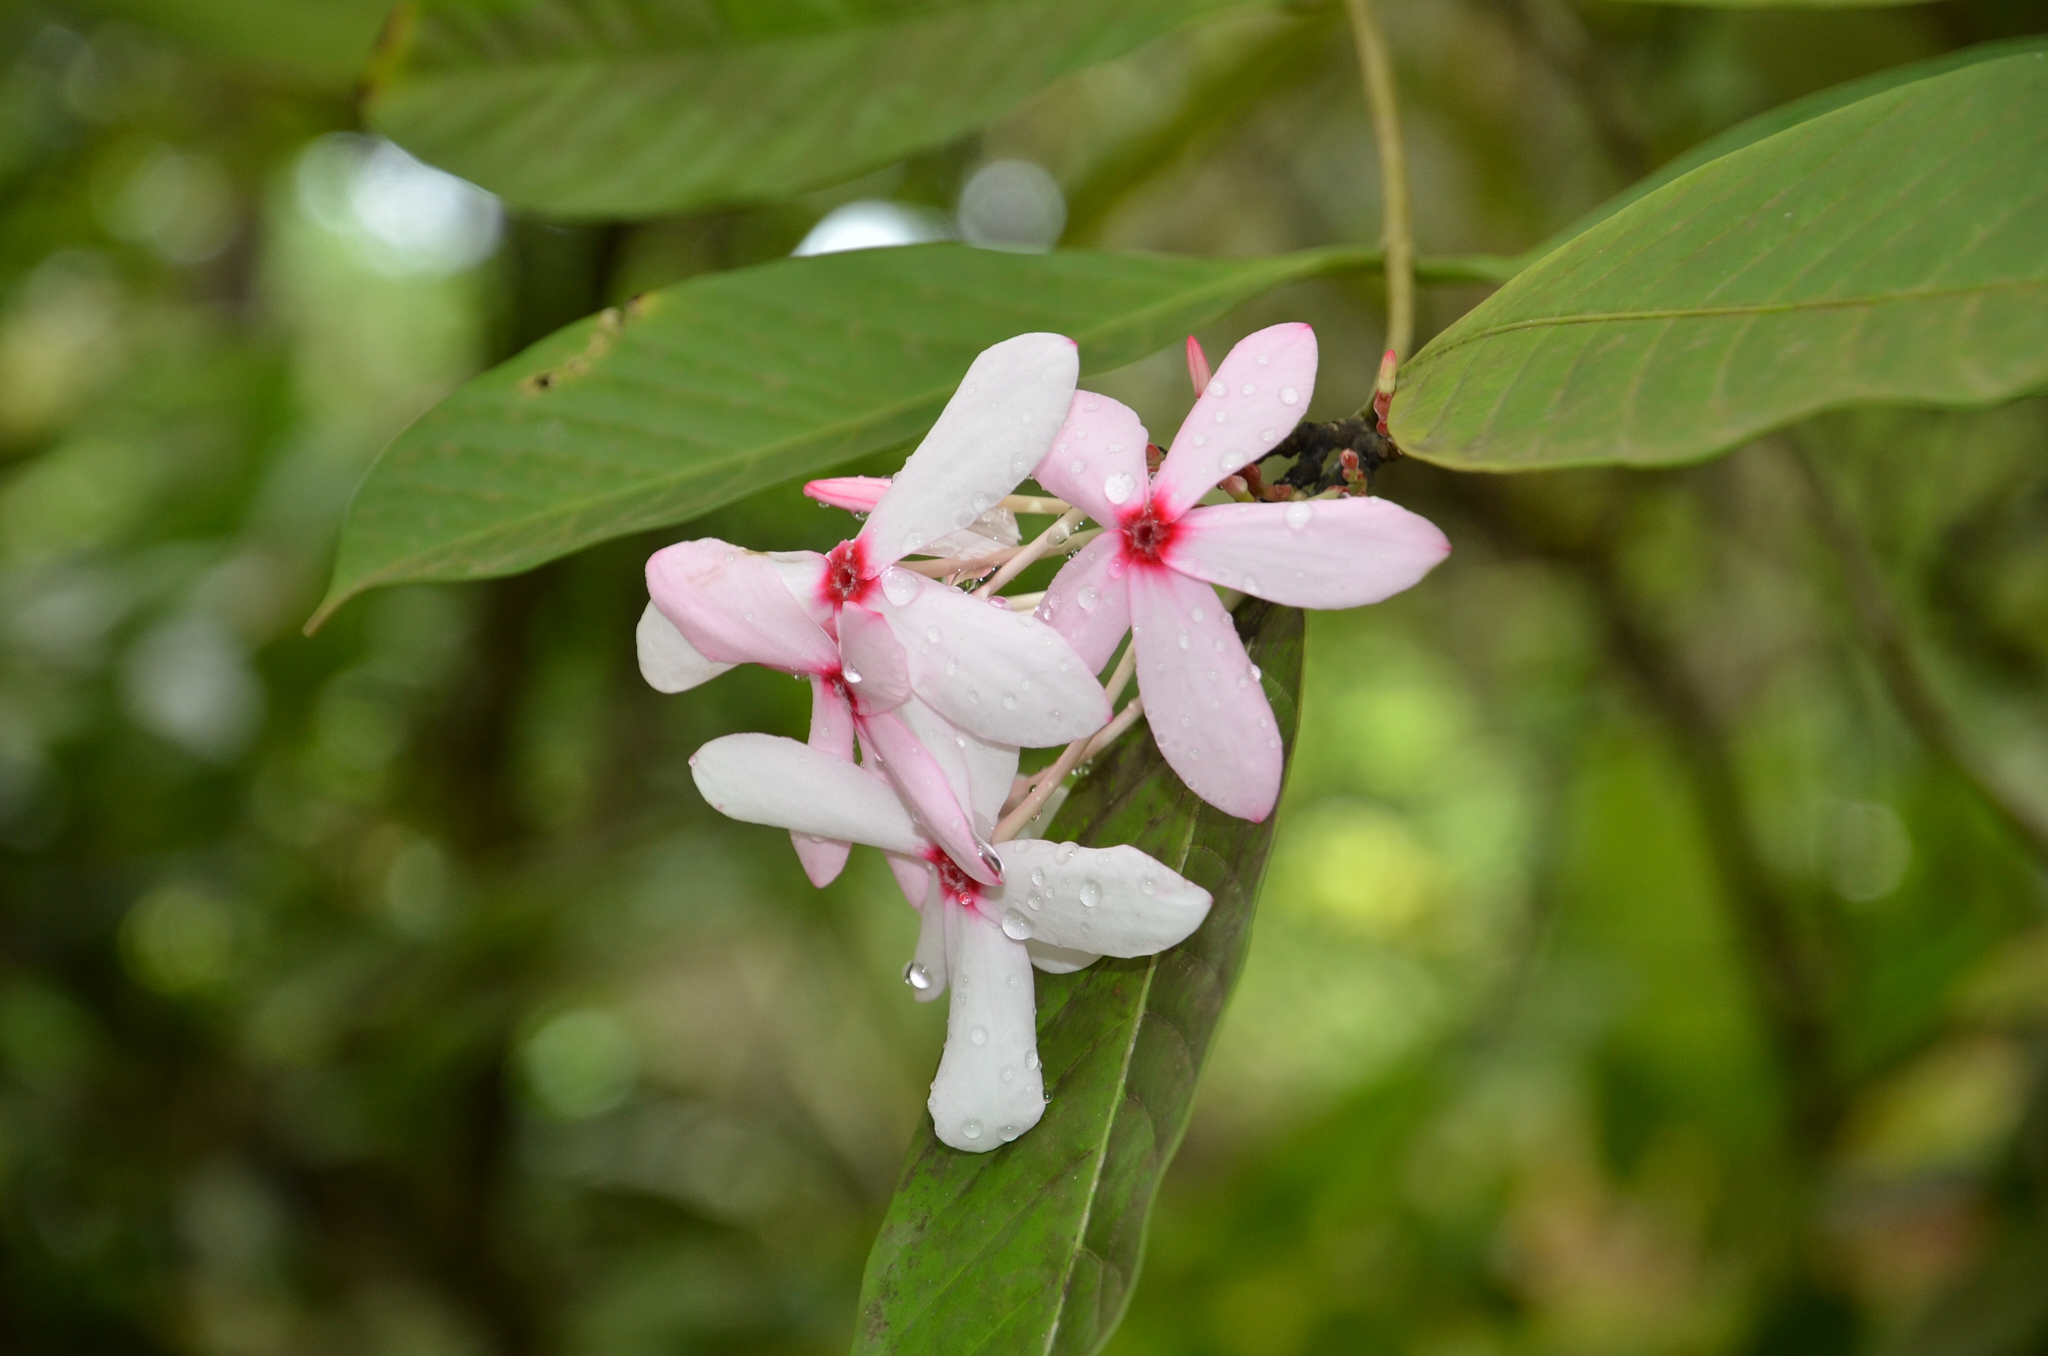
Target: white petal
735, 608
876, 670
668, 662
1313, 553
1208, 714
993, 531
831, 734
1097, 460
993, 432
989, 1088
1060, 960
1114, 901
1089, 602
765, 779
980, 772
1005, 676
921, 781
931, 943
1250, 405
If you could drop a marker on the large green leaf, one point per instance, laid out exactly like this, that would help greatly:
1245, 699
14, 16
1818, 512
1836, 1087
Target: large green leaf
321, 42
708, 391
1776, 120
1034, 1247
595, 108
1892, 250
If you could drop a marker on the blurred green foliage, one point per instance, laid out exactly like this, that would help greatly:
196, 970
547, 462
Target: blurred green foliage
1630, 977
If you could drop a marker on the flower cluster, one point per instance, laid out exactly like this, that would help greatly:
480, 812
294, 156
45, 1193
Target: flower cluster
923, 695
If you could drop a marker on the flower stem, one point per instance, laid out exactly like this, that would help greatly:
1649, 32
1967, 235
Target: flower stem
1052, 538
1048, 779
1031, 503
942, 566
1376, 63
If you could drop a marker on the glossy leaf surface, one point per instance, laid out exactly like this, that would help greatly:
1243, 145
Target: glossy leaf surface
1890, 251
1034, 1247
709, 391
590, 108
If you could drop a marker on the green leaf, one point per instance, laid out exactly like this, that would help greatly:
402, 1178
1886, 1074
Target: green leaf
591, 108
1776, 120
729, 383
1890, 251
1034, 1247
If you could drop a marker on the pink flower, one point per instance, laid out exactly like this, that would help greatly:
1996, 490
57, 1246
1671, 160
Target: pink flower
1151, 574
870, 635
1059, 906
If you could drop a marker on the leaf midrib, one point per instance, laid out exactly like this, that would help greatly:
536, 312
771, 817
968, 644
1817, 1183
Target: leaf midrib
1748, 309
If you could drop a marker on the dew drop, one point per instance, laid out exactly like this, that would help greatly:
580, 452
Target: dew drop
1298, 514
1199, 440
971, 1129
1119, 487
1064, 853
1289, 396
1009, 701
1092, 406
973, 696
899, 587
979, 1035
1222, 418
1263, 360
750, 615
1147, 885
1183, 640
917, 977
1091, 894
1077, 466
952, 667
1009, 1074
980, 502
1219, 387
1257, 673
851, 673
1090, 598
1038, 876
931, 635
1195, 614
1229, 461
1266, 435
1008, 1132
1251, 585
1017, 928
1031, 1060
1249, 388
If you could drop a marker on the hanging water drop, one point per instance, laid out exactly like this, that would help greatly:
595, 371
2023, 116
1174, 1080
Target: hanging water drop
917, 977
1008, 1132
1031, 1060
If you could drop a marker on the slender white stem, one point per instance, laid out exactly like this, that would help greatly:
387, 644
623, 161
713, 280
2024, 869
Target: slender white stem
1113, 731
1120, 676
942, 566
1052, 538
1032, 503
1048, 779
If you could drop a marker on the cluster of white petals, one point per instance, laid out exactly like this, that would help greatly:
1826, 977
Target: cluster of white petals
924, 695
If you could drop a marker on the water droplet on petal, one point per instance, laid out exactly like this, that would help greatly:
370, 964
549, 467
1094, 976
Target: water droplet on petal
979, 1035
931, 635
1251, 585
899, 587
1008, 1132
1091, 894
1147, 885
981, 501
1266, 435
1077, 466
1119, 487
952, 667
1031, 1060
1195, 614
1229, 461
1263, 360
1249, 388
1183, 640
1038, 876
1064, 853
917, 977
971, 1129
850, 673
1289, 396
1219, 387
1016, 927
1221, 417
1257, 673
1298, 514
1090, 597
1009, 1074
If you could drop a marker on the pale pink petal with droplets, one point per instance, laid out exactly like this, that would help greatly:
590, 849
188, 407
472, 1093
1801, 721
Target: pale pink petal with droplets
1328, 553
766, 779
733, 608
1116, 901
991, 434
803, 574
1249, 406
989, 1088
1060, 960
669, 662
1208, 714
1097, 460
1089, 601
873, 663
921, 781
1005, 676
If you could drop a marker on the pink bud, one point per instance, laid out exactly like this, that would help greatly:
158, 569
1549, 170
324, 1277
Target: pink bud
856, 494
1198, 365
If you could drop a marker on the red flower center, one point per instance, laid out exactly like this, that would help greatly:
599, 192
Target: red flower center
954, 883
1147, 535
846, 574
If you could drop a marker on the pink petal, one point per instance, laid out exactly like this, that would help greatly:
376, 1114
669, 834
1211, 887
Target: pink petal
765, 779
875, 667
855, 494
979, 771
1249, 406
1113, 901
921, 781
1312, 553
668, 662
913, 878
1097, 461
733, 606
992, 433
989, 1088
1207, 711
1089, 601
1005, 676
803, 574
831, 733
931, 937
